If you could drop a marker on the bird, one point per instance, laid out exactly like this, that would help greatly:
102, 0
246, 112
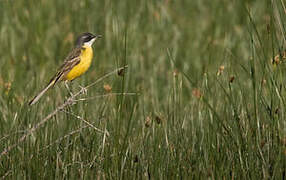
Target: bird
75, 64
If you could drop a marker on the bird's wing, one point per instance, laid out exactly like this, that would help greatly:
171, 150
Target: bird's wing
70, 61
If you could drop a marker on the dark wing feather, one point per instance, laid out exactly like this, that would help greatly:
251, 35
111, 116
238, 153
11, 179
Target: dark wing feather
70, 61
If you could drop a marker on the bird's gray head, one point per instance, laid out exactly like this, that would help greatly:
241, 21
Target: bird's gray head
86, 39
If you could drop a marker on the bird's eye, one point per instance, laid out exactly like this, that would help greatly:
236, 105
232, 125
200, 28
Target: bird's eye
87, 38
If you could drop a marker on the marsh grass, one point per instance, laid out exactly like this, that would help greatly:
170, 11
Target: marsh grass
206, 100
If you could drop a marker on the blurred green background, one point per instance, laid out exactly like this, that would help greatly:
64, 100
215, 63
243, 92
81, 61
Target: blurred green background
209, 101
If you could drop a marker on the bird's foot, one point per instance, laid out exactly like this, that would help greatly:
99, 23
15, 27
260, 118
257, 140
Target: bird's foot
67, 87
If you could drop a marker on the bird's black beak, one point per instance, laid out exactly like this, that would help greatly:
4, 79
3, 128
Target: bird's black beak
98, 36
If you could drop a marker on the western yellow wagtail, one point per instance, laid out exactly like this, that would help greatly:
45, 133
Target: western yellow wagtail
75, 64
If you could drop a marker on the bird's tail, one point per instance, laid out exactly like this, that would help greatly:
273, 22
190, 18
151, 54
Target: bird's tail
36, 98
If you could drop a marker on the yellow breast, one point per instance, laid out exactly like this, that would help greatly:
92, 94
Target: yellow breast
85, 61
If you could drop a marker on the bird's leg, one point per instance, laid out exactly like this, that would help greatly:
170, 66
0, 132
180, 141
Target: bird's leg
67, 86
83, 89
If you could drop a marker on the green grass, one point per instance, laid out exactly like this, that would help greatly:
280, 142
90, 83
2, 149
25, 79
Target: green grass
186, 121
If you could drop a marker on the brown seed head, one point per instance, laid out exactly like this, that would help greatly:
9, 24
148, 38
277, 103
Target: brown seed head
284, 141
220, 70
263, 82
158, 119
175, 73
121, 72
197, 93
107, 88
231, 79
148, 122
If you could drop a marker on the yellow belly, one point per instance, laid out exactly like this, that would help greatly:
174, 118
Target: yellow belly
82, 67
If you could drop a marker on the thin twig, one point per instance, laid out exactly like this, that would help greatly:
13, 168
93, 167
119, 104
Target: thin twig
85, 121
69, 101
106, 95
14, 133
64, 137
8, 149
105, 76
6, 174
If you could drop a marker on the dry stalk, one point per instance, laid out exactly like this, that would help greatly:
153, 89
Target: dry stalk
69, 101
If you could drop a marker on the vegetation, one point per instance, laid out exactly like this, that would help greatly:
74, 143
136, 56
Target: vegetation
203, 95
